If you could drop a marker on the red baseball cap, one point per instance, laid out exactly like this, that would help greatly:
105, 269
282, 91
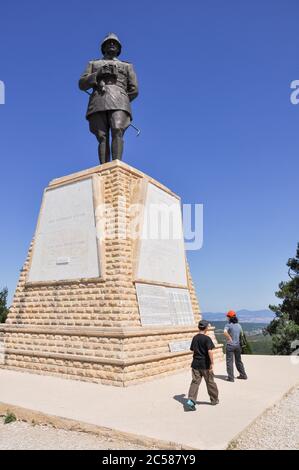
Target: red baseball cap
231, 314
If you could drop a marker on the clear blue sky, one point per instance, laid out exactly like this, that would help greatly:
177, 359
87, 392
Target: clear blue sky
214, 108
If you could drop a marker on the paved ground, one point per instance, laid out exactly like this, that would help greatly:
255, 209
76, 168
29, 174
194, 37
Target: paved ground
155, 409
277, 429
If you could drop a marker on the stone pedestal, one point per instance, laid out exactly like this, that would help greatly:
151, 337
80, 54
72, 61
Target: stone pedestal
99, 298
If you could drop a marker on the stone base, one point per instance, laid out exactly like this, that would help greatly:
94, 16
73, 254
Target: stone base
109, 356
91, 329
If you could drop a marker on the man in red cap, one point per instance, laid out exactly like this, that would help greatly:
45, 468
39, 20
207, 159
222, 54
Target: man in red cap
232, 332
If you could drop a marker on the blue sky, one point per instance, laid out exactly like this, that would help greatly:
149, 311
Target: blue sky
217, 123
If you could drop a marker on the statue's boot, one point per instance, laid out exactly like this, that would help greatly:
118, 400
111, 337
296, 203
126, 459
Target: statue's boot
107, 150
104, 150
117, 144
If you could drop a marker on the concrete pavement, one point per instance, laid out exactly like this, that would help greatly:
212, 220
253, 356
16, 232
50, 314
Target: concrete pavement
155, 409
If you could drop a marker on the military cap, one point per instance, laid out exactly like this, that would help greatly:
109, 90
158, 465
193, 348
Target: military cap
109, 37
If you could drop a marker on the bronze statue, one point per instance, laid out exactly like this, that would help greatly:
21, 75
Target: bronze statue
114, 85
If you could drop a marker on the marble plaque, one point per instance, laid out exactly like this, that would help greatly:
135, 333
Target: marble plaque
65, 245
178, 346
153, 304
159, 305
181, 308
162, 251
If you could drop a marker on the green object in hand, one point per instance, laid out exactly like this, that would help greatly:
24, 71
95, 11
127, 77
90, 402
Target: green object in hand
244, 344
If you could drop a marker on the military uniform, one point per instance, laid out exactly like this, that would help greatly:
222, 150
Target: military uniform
114, 85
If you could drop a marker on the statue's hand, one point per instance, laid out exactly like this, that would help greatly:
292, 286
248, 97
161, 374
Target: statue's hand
102, 87
99, 73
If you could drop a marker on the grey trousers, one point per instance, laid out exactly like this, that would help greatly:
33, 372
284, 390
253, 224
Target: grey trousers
234, 352
197, 375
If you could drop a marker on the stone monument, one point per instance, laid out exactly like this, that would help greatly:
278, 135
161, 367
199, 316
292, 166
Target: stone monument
105, 294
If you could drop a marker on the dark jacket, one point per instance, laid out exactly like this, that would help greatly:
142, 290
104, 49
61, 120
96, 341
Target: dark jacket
120, 85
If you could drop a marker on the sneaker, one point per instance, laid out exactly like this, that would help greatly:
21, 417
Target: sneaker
242, 377
214, 402
230, 380
191, 405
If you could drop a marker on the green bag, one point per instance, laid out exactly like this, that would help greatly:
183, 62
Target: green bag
245, 346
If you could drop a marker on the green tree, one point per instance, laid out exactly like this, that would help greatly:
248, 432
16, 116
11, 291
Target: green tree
3, 305
284, 329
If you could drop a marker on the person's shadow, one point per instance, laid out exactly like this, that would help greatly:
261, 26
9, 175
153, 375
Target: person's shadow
183, 400
221, 377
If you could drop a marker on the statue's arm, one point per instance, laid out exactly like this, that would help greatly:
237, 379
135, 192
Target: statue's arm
132, 83
88, 78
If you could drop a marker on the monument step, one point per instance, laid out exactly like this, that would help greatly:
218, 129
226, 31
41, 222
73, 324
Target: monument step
118, 332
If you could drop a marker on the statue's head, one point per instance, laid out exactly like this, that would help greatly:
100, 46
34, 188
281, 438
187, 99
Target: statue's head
111, 45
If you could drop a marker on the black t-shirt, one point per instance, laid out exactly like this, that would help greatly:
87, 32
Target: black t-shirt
200, 346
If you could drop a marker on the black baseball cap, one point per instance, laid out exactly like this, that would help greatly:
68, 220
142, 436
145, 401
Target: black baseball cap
203, 324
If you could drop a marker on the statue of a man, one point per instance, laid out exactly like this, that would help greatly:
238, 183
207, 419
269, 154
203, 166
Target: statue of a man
114, 86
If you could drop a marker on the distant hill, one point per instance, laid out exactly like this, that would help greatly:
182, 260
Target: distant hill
245, 316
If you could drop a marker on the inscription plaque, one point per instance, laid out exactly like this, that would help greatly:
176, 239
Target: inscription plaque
162, 251
65, 245
153, 304
181, 308
159, 305
177, 346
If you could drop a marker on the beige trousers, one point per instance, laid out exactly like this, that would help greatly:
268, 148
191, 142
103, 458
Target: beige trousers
197, 375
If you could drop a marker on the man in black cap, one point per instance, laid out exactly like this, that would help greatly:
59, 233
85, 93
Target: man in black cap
114, 85
202, 366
